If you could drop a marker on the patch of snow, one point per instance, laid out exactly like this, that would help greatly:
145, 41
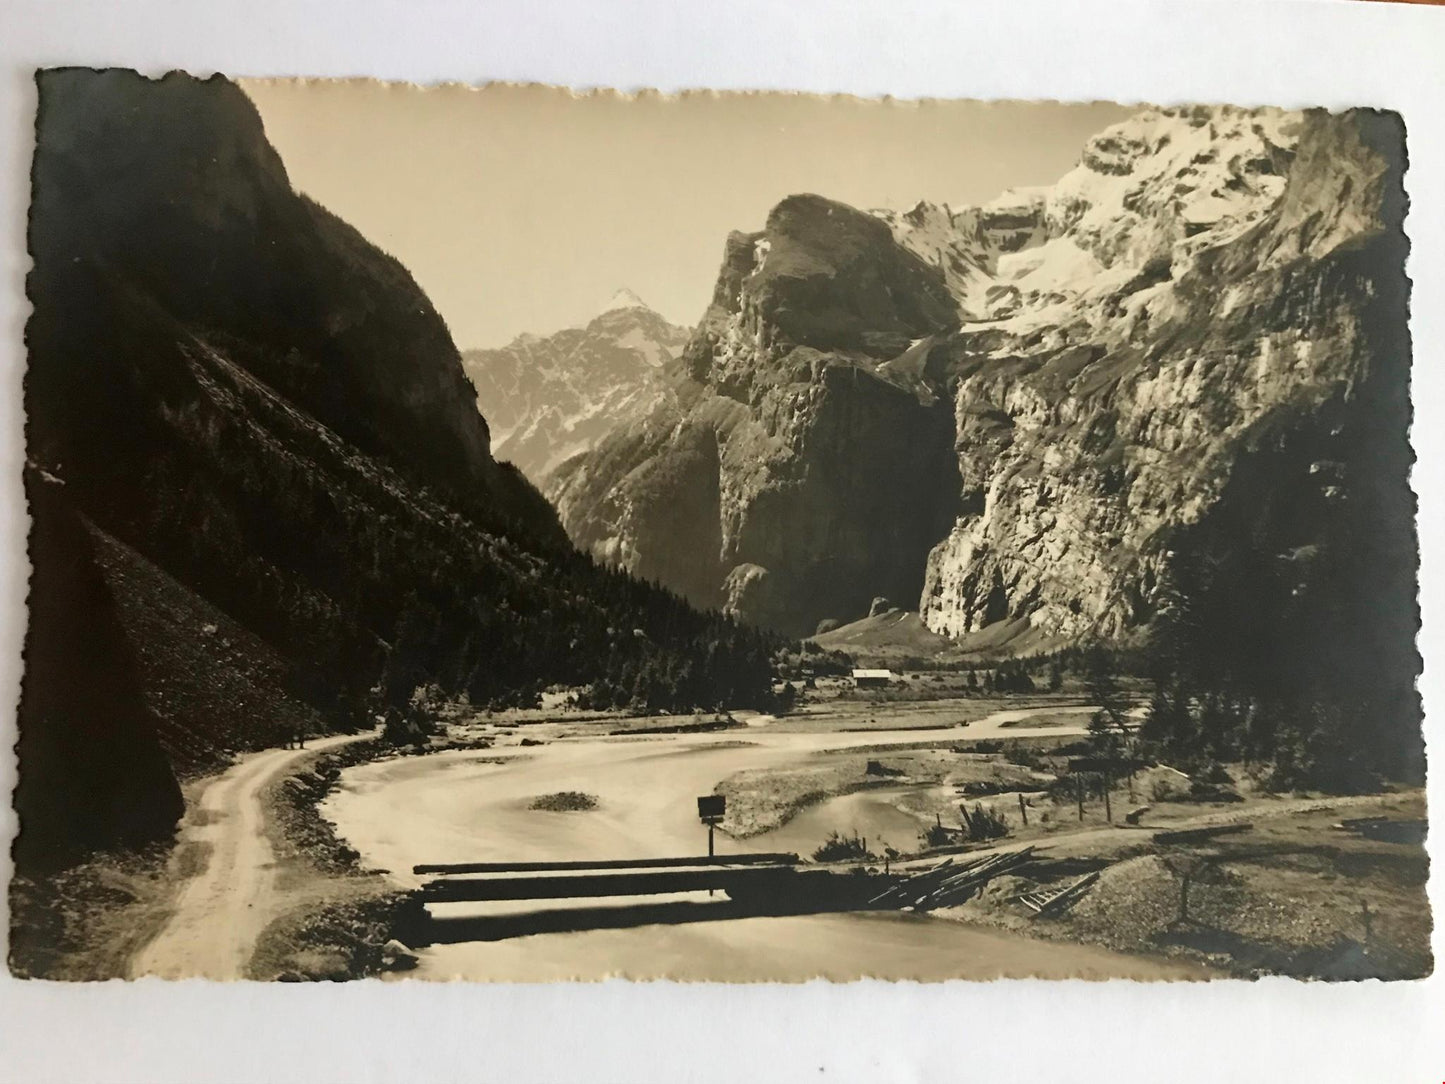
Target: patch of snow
650, 349
760, 254
623, 299
1162, 184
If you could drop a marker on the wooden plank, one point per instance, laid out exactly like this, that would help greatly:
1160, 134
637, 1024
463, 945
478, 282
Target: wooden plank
964, 886
907, 891
610, 863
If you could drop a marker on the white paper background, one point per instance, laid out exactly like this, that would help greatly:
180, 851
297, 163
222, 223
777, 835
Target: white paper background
1292, 54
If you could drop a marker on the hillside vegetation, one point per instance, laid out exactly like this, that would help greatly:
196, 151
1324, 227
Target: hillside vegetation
257, 435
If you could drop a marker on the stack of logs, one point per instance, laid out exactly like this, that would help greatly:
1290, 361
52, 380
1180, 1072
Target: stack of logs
950, 883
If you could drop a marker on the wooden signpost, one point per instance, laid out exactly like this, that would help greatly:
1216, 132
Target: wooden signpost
710, 810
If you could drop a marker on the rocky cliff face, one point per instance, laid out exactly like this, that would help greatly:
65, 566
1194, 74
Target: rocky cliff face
171, 188
1228, 291
1006, 413
549, 399
799, 466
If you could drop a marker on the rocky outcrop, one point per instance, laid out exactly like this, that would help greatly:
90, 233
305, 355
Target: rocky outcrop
93, 771
1049, 387
820, 277
549, 399
792, 474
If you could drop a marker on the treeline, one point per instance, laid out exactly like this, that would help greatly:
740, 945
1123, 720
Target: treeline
372, 585
291, 436
369, 584
803, 659
1286, 630
1296, 650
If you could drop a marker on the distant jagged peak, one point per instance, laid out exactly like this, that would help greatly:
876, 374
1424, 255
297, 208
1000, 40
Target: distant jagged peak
1020, 198
623, 310
624, 299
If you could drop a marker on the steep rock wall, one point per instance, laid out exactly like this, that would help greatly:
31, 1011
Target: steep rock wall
1203, 276
1083, 460
170, 188
831, 470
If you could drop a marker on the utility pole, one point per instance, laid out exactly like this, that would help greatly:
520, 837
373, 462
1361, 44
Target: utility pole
1023, 810
1108, 809
1079, 789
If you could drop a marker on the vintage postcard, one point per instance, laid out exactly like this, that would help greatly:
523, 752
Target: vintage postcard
508, 534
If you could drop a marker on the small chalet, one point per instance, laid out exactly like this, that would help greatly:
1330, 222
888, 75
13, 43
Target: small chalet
872, 679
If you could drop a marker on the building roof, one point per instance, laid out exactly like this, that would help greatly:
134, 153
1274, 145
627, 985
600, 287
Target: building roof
885, 675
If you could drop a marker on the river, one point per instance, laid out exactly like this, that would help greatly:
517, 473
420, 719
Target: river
473, 806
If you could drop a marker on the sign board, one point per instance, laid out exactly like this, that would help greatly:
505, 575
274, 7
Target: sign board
711, 807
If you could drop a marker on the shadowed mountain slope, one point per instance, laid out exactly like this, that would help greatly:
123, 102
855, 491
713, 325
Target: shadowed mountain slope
262, 430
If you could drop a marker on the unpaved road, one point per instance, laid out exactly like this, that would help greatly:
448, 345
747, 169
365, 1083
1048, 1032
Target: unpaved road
473, 806
223, 908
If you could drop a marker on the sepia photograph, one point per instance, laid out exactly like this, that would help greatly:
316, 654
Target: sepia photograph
514, 534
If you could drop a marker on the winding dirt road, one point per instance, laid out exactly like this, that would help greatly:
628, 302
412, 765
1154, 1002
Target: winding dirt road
222, 909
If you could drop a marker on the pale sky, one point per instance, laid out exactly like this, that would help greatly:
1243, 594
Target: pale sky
525, 208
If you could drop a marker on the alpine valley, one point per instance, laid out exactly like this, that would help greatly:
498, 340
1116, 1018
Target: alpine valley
264, 501
949, 542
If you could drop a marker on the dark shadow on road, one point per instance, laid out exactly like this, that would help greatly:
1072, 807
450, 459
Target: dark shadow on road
449, 930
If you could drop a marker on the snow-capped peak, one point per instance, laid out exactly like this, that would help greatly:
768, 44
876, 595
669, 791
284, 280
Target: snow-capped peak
623, 299
1153, 190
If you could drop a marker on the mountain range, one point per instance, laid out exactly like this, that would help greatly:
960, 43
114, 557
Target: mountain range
1004, 416
549, 399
